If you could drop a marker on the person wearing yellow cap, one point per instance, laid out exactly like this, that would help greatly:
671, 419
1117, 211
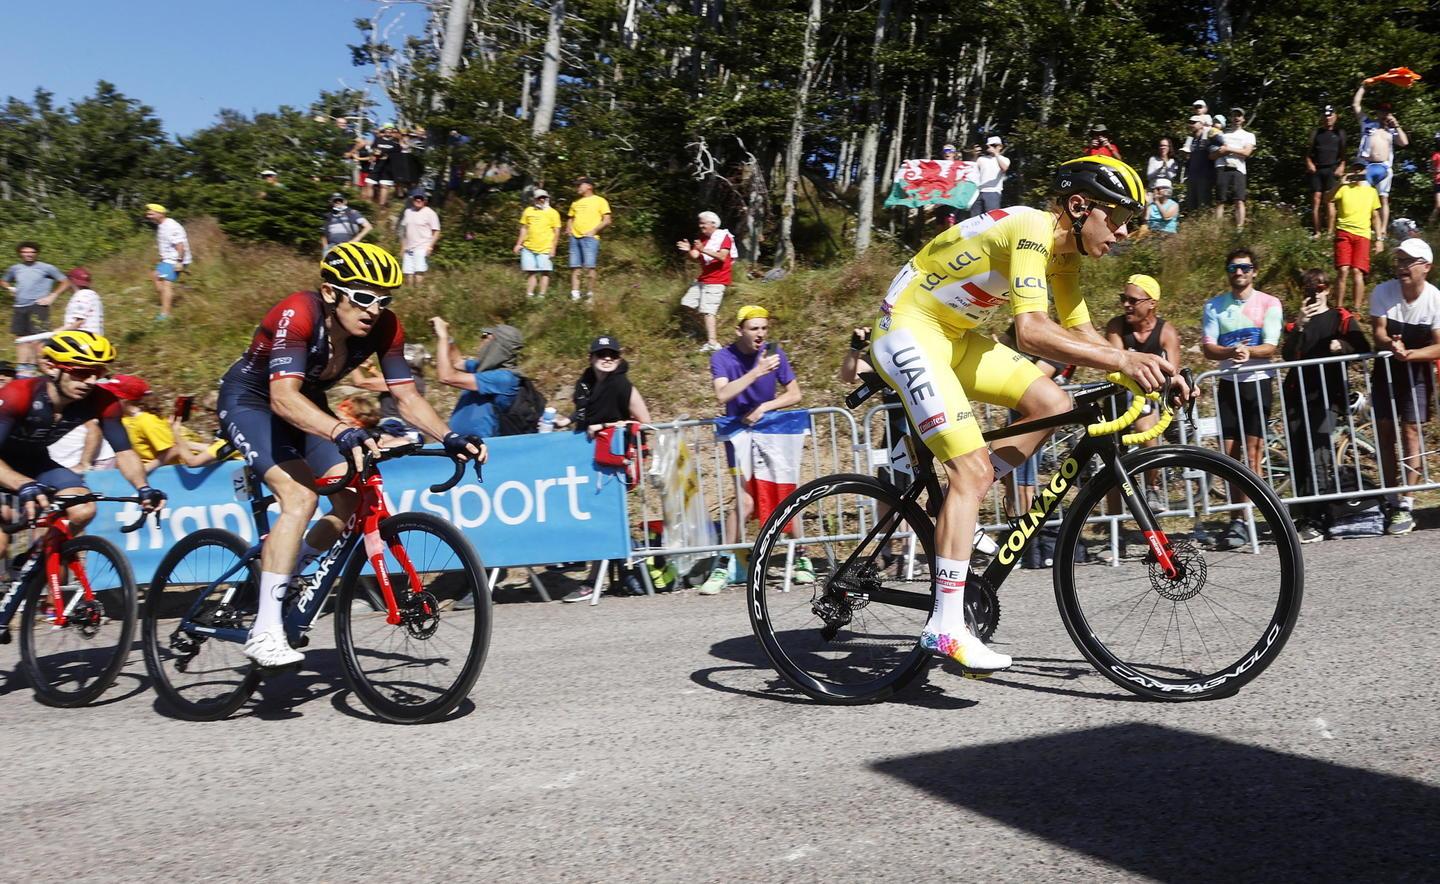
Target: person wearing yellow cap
175, 255
752, 377
1141, 330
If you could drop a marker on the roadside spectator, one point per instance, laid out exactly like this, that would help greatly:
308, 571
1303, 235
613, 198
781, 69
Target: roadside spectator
537, 241
605, 397
408, 164
1199, 168
1240, 329
1234, 148
150, 435
1162, 214
1355, 220
1315, 395
1405, 317
83, 449
992, 167
751, 377
369, 377
1435, 178
29, 281
190, 450
7, 372
589, 215
1141, 329
175, 255
714, 250
1164, 164
271, 178
1324, 166
85, 311
382, 163
360, 155
1100, 144
344, 224
419, 232
488, 383
1380, 136
1200, 109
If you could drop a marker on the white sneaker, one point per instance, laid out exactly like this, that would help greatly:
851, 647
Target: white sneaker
575, 295
965, 649
984, 544
270, 649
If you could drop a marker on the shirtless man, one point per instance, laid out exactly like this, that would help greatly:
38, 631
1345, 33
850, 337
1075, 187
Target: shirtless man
1379, 137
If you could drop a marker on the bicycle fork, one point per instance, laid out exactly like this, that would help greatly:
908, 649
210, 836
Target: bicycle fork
1155, 537
375, 551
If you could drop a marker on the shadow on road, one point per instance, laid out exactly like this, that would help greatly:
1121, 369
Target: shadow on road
1044, 674
1177, 806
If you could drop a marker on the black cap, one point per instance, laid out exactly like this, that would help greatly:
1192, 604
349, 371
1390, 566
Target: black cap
584, 179
1099, 127
336, 196
604, 342
420, 193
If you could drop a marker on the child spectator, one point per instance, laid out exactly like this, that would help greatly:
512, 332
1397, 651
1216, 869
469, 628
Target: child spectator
1357, 217
84, 310
190, 450
150, 436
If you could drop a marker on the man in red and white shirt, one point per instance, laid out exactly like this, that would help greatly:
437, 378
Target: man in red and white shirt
715, 250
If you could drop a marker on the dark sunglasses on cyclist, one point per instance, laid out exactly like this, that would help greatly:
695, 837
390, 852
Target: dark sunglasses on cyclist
362, 298
85, 372
1119, 215
1126, 299
1239, 268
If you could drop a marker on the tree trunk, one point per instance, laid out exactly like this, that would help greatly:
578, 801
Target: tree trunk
927, 138
843, 162
870, 143
550, 72
457, 22
786, 250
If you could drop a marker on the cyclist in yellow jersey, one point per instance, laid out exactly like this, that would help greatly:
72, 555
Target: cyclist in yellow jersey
927, 349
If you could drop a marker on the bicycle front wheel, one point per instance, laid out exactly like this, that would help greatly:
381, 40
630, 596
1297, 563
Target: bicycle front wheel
1222, 618
206, 584
852, 635
421, 668
73, 664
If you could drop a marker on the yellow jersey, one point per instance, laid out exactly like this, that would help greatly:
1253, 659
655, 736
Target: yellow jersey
586, 214
541, 227
1354, 204
1001, 257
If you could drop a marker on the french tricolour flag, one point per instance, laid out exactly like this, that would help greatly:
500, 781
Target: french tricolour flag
767, 456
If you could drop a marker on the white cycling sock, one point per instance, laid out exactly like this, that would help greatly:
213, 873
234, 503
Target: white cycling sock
272, 593
948, 615
1002, 466
307, 555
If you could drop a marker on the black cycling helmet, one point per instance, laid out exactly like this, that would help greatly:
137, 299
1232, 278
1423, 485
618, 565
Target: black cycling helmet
1105, 180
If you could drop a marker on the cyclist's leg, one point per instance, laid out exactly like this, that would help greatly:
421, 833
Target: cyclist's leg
994, 373
916, 358
325, 459
67, 481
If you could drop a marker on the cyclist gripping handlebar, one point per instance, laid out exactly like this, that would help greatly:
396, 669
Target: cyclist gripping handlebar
926, 348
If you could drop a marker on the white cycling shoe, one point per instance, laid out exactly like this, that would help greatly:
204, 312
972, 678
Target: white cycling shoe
270, 649
965, 649
984, 544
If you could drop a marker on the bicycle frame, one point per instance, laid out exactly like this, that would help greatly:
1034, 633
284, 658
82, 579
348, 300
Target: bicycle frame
300, 616
56, 531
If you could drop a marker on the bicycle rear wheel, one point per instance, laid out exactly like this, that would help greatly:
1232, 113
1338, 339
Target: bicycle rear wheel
72, 665
1222, 619
420, 669
207, 580
853, 635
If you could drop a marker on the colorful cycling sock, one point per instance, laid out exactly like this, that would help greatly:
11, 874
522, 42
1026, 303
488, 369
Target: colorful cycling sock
948, 615
272, 593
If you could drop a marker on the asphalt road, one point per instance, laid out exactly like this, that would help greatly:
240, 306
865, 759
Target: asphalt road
644, 740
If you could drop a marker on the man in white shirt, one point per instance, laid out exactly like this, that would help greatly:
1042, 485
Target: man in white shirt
991, 168
175, 255
84, 310
1234, 147
419, 231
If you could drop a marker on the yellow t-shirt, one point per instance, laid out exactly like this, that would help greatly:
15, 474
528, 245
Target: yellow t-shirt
985, 262
149, 435
1353, 205
540, 228
586, 214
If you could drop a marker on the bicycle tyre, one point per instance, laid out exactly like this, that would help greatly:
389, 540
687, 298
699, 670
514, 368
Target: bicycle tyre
856, 677
228, 678
49, 673
1243, 660
408, 701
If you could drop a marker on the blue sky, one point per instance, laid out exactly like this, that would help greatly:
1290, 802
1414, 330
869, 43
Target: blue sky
187, 60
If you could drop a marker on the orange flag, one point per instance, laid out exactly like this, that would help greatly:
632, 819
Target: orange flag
1402, 77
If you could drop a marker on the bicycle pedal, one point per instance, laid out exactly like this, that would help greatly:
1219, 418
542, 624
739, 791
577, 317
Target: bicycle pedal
975, 675
273, 671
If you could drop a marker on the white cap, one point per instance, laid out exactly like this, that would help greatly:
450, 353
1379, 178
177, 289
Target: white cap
1162, 182
1201, 118
1199, 101
1416, 247
993, 139
710, 217
539, 193
268, 172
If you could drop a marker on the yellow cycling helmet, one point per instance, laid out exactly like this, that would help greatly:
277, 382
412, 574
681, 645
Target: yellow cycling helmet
1103, 179
362, 263
76, 347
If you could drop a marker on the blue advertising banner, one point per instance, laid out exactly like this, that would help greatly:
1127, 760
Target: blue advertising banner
542, 501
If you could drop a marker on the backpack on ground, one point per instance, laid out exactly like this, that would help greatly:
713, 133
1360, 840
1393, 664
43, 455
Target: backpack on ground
1356, 516
523, 415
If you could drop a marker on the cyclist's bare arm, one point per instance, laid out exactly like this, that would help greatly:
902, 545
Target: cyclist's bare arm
1039, 335
296, 409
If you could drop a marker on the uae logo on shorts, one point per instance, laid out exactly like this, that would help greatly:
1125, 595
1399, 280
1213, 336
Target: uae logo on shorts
932, 422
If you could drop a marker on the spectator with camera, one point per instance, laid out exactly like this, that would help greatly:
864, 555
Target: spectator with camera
1162, 214
1405, 317
1315, 395
1100, 144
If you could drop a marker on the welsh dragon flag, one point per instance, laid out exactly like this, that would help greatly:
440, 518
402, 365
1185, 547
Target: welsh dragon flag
767, 456
934, 183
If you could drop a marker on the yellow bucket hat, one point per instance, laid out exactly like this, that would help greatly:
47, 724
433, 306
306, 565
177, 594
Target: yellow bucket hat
1146, 284
156, 207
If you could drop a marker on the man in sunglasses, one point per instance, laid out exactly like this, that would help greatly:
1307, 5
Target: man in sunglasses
36, 412
1240, 329
927, 347
272, 408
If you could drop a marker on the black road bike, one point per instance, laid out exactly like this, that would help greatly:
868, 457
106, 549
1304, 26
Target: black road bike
1181, 607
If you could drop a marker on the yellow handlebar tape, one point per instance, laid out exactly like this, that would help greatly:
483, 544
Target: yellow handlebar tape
1105, 428
1154, 432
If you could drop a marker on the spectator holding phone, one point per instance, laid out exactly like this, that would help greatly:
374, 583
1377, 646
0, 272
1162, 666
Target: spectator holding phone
150, 436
